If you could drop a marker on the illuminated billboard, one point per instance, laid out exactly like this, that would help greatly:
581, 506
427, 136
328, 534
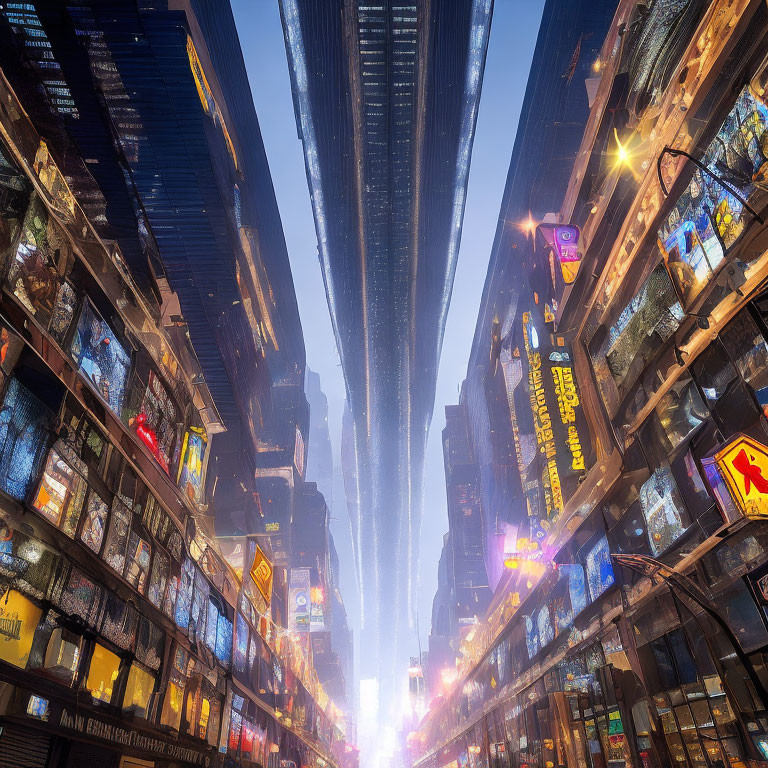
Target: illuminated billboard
558, 422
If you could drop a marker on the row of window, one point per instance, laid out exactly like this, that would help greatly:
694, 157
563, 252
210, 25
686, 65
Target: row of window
136, 393
93, 496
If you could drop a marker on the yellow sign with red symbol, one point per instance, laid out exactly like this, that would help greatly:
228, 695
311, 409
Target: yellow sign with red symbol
743, 464
261, 573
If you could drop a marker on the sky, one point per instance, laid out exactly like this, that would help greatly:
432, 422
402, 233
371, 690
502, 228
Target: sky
513, 36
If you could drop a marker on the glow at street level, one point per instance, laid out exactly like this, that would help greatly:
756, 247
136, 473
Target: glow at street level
389, 367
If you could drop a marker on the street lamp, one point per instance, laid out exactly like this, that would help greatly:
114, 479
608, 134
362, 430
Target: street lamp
650, 567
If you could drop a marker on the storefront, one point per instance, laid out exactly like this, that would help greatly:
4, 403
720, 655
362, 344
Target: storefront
71, 735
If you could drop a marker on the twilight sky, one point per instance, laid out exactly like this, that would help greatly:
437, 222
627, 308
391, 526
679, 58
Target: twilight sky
513, 36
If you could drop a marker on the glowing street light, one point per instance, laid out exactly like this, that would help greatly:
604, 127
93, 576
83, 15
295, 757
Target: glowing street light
624, 155
528, 226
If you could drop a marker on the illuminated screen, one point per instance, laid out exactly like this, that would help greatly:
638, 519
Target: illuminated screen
100, 357
190, 478
663, 510
707, 218
599, 569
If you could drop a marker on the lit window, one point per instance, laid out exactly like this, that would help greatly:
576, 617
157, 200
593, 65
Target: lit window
19, 618
174, 697
138, 691
100, 358
102, 673
599, 569
155, 424
61, 492
62, 655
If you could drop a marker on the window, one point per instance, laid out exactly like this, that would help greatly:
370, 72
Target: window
681, 412
100, 357
663, 510
241, 644
159, 578
119, 621
177, 683
138, 691
19, 618
11, 346
150, 640
24, 428
531, 637
621, 352
156, 422
184, 598
577, 588
117, 538
743, 339
61, 493
713, 371
95, 522
62, 655
599, 569
63, 312
544, 626
218, 637
169, 603
32, 275
198, 614
102, 673
707, 218
137, 562
77, 595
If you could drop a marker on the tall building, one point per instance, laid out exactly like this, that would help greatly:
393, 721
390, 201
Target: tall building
320, 470
386, 99
463, 594
172, 146
128, 638
627, 316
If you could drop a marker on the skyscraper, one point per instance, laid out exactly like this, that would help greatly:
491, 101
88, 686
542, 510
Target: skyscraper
386, 99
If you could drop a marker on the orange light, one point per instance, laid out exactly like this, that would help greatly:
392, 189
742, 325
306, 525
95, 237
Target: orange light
513, 563
528, 226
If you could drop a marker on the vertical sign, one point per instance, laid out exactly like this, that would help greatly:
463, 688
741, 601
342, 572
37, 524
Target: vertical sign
298, 600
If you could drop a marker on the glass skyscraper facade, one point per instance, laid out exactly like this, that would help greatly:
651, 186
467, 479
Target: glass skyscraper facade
386, 98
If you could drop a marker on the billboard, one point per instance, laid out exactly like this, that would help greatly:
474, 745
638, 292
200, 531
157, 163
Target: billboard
299, 600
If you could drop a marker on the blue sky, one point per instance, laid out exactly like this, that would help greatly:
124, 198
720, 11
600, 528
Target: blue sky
513, 37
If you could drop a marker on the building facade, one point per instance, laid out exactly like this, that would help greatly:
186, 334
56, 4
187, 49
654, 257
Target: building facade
629, 626
386, 99
130, 637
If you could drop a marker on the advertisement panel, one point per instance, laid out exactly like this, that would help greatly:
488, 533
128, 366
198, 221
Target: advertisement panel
299, 600
557, 418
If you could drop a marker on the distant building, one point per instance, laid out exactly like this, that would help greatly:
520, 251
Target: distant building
386, 99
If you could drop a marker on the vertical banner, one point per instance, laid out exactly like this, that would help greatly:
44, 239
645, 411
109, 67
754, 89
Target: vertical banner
298, 600
317, 610
261, 573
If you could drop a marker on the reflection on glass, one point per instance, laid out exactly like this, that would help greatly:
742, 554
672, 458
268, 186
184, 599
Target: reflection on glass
100, 357
95, 522
707, 218
662, 507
